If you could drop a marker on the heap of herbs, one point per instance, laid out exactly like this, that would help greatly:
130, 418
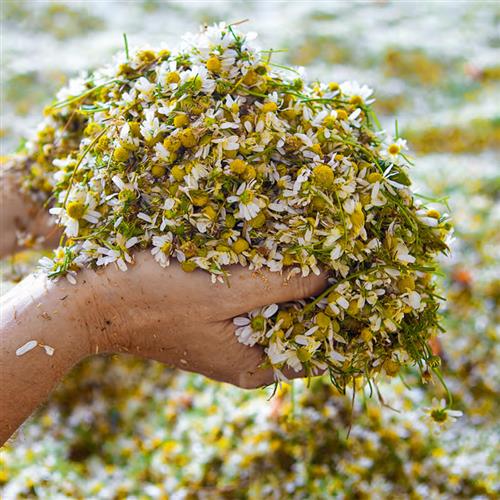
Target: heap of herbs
213, 155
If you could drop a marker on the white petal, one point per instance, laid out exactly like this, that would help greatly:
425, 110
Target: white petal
144, 217
131, 242
49, 350
241, 321
270, 310
26, 347
118, 182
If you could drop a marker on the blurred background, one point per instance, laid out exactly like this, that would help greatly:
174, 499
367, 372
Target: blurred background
123, 428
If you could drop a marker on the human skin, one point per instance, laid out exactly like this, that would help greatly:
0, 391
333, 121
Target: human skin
168, 315
19, 214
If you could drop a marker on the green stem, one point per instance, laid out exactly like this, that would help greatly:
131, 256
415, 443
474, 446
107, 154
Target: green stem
78, 163
71, 100
439, 375
125, 41
310, 306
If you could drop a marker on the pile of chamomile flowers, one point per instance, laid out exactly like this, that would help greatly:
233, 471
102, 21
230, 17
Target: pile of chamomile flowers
212, 155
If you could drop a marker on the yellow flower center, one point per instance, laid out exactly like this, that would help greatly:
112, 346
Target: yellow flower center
322, 320
214, 64
303, 354
356, 100
75, 209
258, 323
258, 221
439, 416
292, 143
322, 176
316, 148
250, 78
188, 138
199, 198
135, 128
366, 334
230, 221
246, 197
210, 212
121, 154
158, 170
177, 173
391, 367
358, 218
269, 107
165, 248
92, 128
240, 245
173, 77
406, 283
238, 166
146, 56
341, 114
249, 173
286, 319
172, 144
433, 214
188, 266
374, 177
181, 121
394, 149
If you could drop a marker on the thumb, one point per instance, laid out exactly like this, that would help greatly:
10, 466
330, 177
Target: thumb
251, 289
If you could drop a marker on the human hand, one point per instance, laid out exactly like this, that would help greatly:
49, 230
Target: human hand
21, 215
184, 320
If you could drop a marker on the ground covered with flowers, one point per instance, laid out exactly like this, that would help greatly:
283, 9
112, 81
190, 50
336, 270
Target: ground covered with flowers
165, 433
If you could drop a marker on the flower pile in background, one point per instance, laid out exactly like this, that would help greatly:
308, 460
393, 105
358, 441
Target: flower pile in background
213, 155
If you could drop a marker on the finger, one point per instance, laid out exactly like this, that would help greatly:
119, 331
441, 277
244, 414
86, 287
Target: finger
254, 375
251, 289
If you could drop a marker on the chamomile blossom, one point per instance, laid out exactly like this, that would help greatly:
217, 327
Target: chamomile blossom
252, 328
358, 94
162, 249
439, 415
78, 206
248, 208
393, 148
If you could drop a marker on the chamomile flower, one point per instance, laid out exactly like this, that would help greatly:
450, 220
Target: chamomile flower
252, 328
78, 206
392, 149
248, 208
357, 94
145, 89
439, 415
162, 249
